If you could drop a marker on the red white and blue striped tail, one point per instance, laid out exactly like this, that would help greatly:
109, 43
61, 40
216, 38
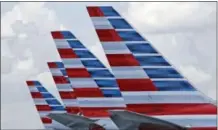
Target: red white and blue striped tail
148, 83
64, 87
94, 85
45, 104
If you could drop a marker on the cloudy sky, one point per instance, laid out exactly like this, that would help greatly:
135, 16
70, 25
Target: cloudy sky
185, 33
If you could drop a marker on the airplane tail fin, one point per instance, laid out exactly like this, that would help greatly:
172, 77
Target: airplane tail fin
126, 48
82, 65
135, 62
64, 87
45, 104
95, 67
148, 82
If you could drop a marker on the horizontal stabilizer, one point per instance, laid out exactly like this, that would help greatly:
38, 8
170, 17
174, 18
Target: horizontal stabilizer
133, 121
75, 121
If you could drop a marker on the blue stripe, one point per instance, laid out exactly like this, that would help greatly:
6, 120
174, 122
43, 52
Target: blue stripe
109, 11
53, 102
84, 54
173, 86
64, 72
47, 95
75, 44
152, 61
100, 73
130, 36
119, 24
42, 89
162, 73
37, 83
67, 34
60, 64
107, 83
111, 93
57, 108
92, 64
141, 48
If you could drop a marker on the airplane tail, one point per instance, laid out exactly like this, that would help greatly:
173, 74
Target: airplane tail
149, 83
45, 104
64, 87
82, 65
94, 85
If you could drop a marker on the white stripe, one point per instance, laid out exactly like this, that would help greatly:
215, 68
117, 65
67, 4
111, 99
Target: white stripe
64, 87
191, 120
82, 49
40, 101
70, 102
115, 48
96, 68
44, 113
164, 97
33, 89
62, 43
101, 102
56, 72
123, 30
58, 111
133, 72
72, 63
101, 23
168, 79
88, 59
83, 83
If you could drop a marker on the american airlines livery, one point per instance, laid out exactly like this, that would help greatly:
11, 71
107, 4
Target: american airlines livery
142, 91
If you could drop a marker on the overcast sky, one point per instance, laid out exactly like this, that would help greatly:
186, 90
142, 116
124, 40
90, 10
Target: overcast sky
185, 33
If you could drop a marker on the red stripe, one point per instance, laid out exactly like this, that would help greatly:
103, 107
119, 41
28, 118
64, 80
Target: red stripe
136, 85
57, 35
36, 95
108, 35
67, 53
122, 60
203, 128
30, 83
72, 110
46, 120
77, 72
98, 112
67, 95
172, 109
95, 11
88, 92
43, 108
60, 80
52, 65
